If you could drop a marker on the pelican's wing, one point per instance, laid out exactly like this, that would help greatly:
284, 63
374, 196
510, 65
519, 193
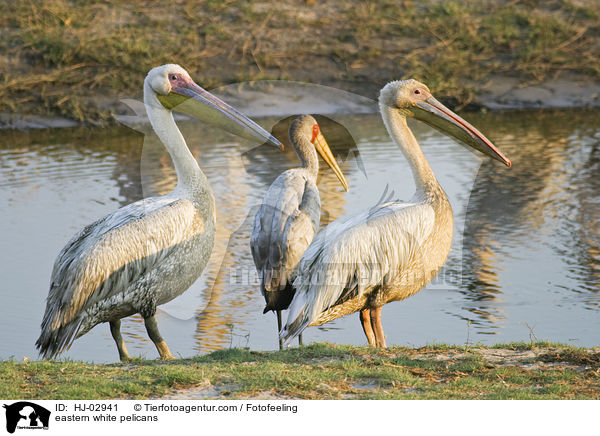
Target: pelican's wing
284, 226
106, 257
353, 255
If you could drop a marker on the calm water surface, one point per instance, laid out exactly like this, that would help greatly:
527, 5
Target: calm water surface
525, 261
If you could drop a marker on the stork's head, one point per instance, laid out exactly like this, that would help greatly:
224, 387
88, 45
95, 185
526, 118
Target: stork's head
413, 99
307, 127
174, 89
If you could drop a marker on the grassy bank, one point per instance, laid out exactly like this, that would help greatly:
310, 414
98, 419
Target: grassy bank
76, 58
321, 371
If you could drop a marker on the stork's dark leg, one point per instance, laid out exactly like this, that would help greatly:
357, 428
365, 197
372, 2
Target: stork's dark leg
378, 327
300, 340
115, 331
159, 342
279, 329
365, 320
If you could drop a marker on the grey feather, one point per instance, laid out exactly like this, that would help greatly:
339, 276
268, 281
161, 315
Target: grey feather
284, 226
289, 216
108, 269
149, 252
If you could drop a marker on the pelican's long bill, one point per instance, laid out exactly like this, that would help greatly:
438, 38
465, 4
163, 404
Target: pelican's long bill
323, 148
440, 117
193, 100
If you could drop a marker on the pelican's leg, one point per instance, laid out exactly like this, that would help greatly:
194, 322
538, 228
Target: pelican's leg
365, 320
377, 327
159, 342
115, 331
300, 340
279, 329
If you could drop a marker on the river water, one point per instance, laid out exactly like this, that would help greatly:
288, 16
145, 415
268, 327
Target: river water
525, 261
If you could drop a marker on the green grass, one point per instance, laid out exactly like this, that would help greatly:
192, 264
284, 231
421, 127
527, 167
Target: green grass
76, 58
324, 371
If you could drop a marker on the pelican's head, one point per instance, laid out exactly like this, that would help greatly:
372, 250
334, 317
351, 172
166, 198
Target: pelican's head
307, 126
412, 98
174, 89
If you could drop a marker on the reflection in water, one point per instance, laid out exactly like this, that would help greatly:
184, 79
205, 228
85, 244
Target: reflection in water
529, 251
582, 228
550, 197
221, 318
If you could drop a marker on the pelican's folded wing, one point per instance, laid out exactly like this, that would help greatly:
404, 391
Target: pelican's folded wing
107, 256
353, 255
284, 227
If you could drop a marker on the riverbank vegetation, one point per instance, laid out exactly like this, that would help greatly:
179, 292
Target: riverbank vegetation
538, 370
76, 59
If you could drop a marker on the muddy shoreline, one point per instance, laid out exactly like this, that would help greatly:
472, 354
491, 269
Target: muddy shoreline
499, 93
66, 60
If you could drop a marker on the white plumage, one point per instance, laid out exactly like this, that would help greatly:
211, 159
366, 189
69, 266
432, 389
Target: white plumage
392, 250
351, 257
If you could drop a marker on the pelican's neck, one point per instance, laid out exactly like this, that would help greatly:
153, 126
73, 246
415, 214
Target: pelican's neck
396, 125
189, 175
306, 152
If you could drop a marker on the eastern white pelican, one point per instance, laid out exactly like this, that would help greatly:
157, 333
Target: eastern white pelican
391, 251
149, 252
289, 216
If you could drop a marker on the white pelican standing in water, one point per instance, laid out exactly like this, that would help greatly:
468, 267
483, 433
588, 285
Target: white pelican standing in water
289, 216
391, 251
149, 252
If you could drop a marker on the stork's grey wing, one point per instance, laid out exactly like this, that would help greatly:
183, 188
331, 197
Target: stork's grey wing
354, 255
112, 253
284, 227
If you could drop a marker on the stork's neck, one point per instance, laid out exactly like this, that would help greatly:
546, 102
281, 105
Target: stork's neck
189, 174
396, 125
306, 151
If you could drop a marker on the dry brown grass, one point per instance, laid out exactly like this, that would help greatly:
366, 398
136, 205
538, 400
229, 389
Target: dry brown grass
75, 58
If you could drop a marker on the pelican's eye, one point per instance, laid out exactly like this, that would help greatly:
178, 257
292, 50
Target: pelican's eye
315, 133
417, 91
173, 77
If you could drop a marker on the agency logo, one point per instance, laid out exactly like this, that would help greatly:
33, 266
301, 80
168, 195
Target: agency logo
26, 415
